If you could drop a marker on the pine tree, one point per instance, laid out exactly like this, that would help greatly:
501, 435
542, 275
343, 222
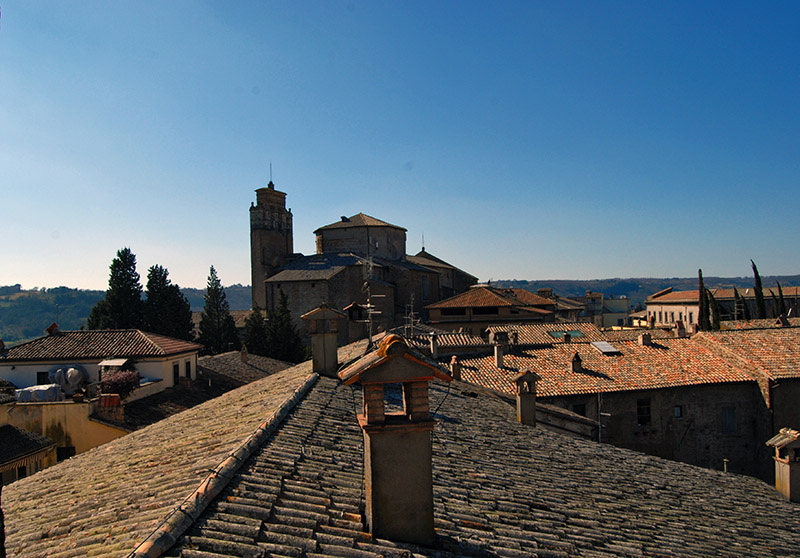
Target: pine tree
703, 319
122, 306
217, 328
282, 338
166, 310
761, 309
255, 332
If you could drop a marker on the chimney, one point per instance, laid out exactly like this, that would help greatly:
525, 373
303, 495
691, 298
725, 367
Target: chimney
526, 396
434, 346
500, 341
324, 330
782, 321
498, 355
645, 340
398, 469
787, 463
243, 353
576, 363
53, 329
567, 337
455, 368
680, 330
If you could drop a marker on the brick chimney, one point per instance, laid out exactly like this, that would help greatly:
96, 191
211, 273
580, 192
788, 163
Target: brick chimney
323, 327
526, 396
576, 363
455, 368
680, 330
398, 471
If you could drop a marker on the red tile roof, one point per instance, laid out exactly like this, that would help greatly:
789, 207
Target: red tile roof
776, 352
721, 294
540, 334
667, 363
483, 296
100, 343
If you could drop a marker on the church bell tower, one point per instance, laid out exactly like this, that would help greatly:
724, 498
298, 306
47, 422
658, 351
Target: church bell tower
270, 238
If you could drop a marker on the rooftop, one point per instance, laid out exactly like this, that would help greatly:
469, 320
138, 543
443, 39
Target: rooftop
482, 296
97, 344
16, 443
358, 220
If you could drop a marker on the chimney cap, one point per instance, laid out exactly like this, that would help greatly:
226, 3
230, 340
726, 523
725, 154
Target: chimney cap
371, 369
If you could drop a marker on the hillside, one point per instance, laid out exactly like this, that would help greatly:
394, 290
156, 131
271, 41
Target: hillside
25, 314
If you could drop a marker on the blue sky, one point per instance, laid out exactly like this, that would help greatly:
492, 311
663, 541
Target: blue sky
528, 140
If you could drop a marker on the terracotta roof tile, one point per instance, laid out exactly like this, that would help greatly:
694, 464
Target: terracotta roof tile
667, 363
481, 296
774, 351
97, 344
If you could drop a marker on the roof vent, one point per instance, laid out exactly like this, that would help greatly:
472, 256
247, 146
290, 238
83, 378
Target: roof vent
605, 347
576, 363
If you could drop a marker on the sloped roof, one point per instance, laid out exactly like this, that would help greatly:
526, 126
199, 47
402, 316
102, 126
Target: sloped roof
429, 260
17, 442
97, 344
482, 296
319, 267
230, 365
667, 363
775, 351
115, 495
500, 489
549, 333
358, 220
693, 296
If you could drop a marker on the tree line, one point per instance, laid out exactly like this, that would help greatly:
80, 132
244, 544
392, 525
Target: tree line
163, 309
710, 312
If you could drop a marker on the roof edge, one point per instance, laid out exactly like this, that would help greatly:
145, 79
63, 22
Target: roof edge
176, 524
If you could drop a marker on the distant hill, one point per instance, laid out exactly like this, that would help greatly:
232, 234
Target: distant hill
24, 314
637, 289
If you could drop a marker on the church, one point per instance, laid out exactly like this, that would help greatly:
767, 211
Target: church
360, 268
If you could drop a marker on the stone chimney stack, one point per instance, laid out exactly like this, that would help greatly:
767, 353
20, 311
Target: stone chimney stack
576, 363
324, 330
567, 337
455, 368
526, 397
680, 330
398, 469
434, 346
500, 341
645, 340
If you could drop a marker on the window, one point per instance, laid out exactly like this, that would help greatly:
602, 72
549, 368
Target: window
677, 411
176, 374
729, 420
579, 409
484, 310
454, 311
691, 317
659, 316
188, 369
680, 316
42, 378
643, 412
672, 317
65, 452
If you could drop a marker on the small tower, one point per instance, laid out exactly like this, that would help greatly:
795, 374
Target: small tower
526, 396
323, 325
270, 239
398, 472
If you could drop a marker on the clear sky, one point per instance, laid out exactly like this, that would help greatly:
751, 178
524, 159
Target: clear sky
527, 140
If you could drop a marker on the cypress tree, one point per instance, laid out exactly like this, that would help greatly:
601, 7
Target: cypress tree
255, 333
715, 311
282, 338
166, 309
703, 320
761, 310
217, 328
781, 301
122, 306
